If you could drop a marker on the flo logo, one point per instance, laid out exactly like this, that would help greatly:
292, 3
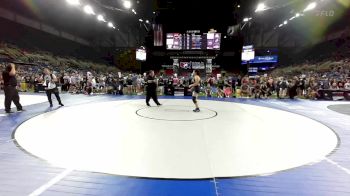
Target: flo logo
325, 13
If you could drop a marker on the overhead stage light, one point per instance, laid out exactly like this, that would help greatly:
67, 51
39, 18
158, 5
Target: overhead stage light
88, 9
285, 22
311, 6
73, 2
147, 21
140, 20
246, 19
261, 7
134, 11
110, 24
127, 4
101, 18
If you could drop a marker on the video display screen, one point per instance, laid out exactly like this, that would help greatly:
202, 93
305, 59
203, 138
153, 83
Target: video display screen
141, 54
248, 53
213, 41
196, 43
262, 59
174, 41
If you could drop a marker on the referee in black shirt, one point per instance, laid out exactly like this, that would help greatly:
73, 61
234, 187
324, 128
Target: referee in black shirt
151, 89
11, 93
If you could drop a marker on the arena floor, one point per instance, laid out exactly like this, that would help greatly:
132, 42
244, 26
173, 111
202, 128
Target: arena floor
114, 145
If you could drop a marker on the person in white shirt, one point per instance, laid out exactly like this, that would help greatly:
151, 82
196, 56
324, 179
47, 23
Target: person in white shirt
347, 85
49, 82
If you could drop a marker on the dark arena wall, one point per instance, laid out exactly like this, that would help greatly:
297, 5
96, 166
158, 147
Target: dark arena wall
32, 39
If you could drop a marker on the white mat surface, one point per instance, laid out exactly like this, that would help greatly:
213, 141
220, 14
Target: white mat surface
111, 138
25, 100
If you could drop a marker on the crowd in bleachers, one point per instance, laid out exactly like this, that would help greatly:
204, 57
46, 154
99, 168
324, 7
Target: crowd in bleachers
304, 85
304, 81
73, 80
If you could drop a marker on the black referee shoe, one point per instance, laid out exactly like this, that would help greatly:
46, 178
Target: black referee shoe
197, 110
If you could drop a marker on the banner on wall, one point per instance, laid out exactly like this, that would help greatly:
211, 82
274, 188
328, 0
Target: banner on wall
263, 59
197, 65
168, 66
192, 65
185, 65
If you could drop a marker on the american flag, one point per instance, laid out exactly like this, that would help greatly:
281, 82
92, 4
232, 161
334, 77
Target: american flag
158, 34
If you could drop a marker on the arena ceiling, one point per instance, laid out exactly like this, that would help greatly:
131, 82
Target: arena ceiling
73, 20
175, 15
182, 15
219, 14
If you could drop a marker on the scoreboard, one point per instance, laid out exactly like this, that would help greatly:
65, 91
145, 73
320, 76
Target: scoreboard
206, 41
174, 41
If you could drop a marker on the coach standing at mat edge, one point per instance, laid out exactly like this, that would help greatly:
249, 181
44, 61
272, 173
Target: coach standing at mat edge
10, 84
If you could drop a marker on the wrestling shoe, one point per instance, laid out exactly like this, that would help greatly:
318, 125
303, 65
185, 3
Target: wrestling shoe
196, 110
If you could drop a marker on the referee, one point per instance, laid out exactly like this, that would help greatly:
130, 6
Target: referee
11, 93
151, 89
51, 86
